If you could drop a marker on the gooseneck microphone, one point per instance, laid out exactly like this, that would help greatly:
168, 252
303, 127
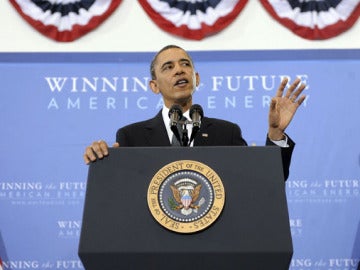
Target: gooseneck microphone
196, 114
175, 114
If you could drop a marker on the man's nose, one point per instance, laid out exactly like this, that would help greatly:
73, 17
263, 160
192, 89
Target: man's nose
179, 69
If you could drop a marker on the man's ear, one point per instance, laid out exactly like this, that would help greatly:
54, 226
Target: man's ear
154, 87
197, 76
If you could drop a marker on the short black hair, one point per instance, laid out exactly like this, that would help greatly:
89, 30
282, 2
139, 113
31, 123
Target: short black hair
152, 65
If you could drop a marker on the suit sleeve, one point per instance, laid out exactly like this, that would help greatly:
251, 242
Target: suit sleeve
286, 153
237, 138
121, 137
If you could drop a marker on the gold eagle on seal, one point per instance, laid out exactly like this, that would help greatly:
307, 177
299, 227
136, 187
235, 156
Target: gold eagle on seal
186, 192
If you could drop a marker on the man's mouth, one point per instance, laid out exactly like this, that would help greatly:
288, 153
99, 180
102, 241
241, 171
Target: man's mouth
181, 82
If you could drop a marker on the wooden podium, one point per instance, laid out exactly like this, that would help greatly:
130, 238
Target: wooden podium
252, 232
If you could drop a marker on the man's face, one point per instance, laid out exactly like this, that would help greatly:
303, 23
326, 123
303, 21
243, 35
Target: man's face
176, 78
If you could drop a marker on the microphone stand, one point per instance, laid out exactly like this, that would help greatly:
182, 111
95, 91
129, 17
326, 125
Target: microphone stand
184, 137
184, 132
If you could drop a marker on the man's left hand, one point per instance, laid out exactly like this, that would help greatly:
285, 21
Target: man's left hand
283, 108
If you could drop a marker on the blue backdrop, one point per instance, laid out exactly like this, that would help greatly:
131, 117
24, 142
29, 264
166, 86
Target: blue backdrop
53, 105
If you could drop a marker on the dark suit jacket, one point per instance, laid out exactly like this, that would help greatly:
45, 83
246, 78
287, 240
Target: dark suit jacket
213, 132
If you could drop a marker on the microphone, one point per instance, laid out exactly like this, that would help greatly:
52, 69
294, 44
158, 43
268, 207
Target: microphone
196, 114
175, 114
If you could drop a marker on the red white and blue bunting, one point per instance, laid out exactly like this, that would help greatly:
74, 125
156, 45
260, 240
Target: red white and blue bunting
65, 20
193, 19
314, 19
68, 20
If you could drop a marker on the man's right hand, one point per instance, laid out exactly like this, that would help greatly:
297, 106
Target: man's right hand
98, 149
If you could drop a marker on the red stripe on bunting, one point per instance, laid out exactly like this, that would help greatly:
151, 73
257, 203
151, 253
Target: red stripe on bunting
184, 31
77, 31
315, 33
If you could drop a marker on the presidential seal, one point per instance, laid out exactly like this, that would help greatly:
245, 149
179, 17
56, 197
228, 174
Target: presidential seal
186, 196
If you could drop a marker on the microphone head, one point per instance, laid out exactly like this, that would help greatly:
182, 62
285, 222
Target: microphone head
196, 108
176, 111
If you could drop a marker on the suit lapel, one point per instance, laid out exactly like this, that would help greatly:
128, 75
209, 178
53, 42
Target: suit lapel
155, 132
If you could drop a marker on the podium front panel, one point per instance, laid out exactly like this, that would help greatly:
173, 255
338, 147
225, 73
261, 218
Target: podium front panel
252, 232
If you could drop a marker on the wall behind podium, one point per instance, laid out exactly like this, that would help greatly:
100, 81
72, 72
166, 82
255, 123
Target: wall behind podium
53, 105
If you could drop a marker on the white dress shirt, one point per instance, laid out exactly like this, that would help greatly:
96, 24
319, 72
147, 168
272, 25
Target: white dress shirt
166, 119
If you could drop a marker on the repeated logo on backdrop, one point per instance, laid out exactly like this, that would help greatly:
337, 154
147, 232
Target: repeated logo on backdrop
42, 193
323, 191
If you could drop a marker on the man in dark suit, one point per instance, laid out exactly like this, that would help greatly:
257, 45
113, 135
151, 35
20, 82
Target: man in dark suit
174, 77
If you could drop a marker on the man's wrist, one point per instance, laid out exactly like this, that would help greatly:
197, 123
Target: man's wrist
276, 135
283, 142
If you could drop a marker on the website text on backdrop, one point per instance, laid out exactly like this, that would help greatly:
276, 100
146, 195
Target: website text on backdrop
173, 75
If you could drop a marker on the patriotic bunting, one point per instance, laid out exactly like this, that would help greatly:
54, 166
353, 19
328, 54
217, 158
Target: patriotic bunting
65, 20
314, 19
193, 19
68, 20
